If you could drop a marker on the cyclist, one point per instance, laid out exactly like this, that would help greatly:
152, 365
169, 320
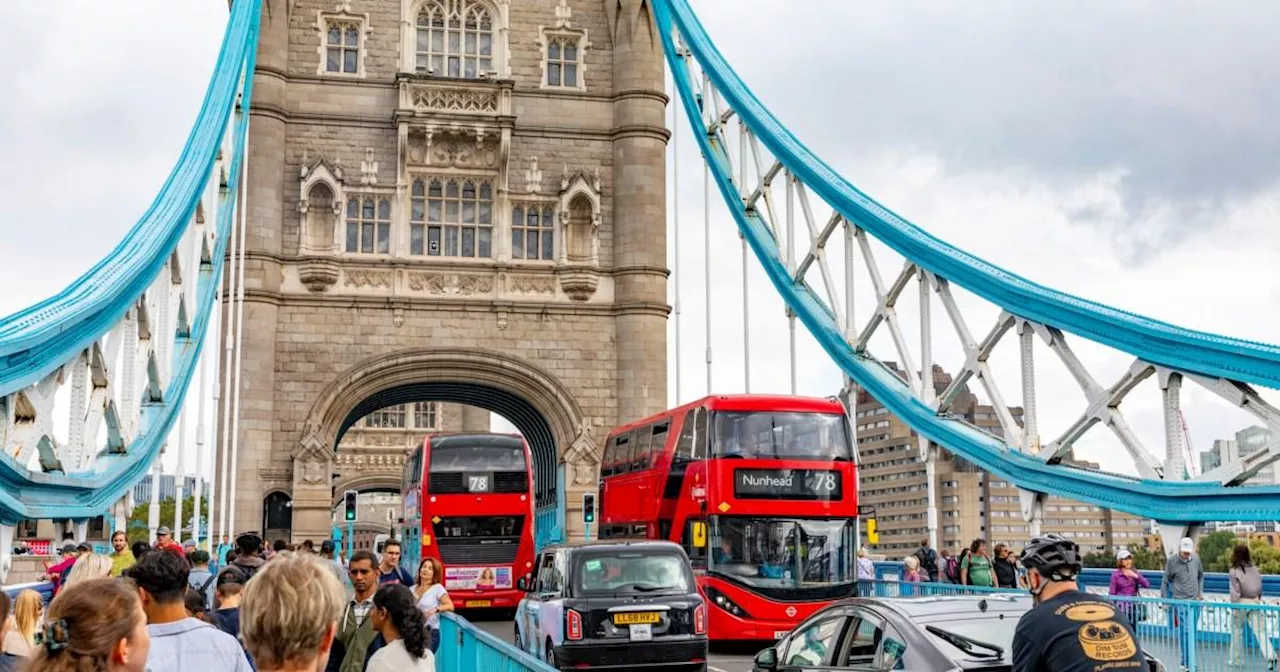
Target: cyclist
1069, 630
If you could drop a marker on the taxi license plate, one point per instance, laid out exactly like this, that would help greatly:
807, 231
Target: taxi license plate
479, 603
641, 632
779, 634
635, 618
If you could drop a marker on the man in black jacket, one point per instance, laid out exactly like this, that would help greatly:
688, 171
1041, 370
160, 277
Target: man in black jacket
928, 561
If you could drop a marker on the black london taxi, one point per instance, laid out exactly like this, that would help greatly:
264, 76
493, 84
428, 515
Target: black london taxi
613, 604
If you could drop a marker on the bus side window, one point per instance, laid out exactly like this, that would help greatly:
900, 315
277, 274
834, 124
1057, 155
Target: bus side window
695, 542
684, 444
640, 450
622, 461
701, 438
607, 459
658, 444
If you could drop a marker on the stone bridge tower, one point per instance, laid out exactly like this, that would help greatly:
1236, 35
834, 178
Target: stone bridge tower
453, 201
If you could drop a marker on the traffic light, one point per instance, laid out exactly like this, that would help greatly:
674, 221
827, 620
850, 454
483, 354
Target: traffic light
588, 507
349, 500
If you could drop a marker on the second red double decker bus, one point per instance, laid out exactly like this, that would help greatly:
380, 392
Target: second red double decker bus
761, 492
468, 503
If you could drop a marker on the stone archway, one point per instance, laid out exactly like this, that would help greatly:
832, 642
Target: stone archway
530, 397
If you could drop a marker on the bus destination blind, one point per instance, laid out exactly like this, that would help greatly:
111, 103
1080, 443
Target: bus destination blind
820, 484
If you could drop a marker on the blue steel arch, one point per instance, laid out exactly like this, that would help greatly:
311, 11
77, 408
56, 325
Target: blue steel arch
1151, 340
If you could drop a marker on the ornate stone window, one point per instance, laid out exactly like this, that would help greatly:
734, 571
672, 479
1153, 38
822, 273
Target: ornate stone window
533, 231
455, 38
391, 417
451, 217
426, 415
342, 41
563, 48
368, 221
562, 61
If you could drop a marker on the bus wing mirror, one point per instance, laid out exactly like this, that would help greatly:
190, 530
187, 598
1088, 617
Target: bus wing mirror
699, 535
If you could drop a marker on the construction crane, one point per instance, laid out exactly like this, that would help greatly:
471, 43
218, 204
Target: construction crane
1192, 467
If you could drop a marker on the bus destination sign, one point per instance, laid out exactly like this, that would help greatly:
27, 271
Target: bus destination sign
821, 484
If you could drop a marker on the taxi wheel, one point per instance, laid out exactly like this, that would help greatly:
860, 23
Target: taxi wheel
551, 655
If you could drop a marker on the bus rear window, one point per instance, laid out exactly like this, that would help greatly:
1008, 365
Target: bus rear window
478, 457
468, 527
769, 435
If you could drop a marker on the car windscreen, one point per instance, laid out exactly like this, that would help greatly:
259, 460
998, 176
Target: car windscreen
619, 570
989, 628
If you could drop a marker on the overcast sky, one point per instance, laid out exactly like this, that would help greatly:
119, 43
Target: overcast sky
1119, 151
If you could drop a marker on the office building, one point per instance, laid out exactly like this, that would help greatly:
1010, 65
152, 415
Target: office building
971, 503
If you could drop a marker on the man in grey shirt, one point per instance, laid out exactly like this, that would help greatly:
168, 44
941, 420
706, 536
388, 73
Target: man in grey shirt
179, 642
1184, 580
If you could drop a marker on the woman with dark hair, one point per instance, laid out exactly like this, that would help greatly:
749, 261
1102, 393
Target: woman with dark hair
140, 548
397, 618
1246, 588
432, 598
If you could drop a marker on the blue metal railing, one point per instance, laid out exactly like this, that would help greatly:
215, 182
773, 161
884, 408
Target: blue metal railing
1216, 635
466, 648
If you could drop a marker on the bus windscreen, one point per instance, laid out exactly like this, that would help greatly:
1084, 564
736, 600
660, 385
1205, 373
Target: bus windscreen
777, 435
478, 455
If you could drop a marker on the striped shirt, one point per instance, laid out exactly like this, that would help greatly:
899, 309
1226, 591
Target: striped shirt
192, 644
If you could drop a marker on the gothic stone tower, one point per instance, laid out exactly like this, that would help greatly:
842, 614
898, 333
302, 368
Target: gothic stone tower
454, 201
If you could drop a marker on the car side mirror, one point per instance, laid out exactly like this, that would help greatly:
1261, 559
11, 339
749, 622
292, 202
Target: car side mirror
767, 660
522, 583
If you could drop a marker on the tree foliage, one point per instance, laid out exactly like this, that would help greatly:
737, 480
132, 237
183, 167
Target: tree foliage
1263, 555
1105, 559
138, 529
1213, 548
1145, 558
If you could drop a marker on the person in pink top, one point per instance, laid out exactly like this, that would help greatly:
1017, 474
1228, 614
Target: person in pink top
1126, 582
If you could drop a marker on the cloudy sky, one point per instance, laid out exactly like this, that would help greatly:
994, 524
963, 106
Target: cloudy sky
1119, 151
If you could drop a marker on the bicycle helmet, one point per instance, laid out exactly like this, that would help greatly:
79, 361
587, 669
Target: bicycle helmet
1055, 557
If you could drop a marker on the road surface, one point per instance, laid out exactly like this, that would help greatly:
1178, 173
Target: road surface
734, 660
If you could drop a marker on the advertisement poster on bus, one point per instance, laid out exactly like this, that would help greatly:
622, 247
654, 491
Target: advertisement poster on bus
473, 578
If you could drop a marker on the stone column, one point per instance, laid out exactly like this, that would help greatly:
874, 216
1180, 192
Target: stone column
475, 419
312, 487
266, 191
639, 213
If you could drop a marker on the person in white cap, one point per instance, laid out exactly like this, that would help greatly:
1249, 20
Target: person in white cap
1184, 580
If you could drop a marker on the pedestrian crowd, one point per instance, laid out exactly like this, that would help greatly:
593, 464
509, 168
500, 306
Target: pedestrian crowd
166, 606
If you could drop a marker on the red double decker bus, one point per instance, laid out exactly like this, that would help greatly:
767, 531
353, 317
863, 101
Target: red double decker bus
468, 503
761, 492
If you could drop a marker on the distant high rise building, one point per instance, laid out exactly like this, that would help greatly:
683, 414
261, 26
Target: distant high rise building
1247, 442
168, 488
971, 503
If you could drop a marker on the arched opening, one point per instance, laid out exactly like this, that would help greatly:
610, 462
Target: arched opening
277, 516
534, 401
520, 412
580, 247
319, 229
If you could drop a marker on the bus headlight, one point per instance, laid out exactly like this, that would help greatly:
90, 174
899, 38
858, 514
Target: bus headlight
723, 602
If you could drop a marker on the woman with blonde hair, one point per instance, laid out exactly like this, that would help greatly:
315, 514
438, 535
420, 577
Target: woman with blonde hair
432, 598
89, 567
94, 626
27, 609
